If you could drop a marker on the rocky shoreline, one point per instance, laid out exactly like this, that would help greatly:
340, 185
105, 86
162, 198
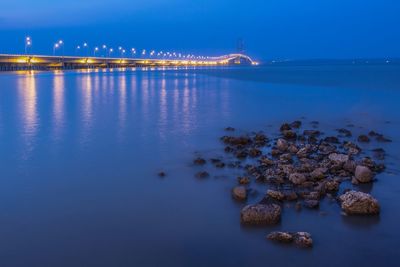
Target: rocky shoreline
301, 166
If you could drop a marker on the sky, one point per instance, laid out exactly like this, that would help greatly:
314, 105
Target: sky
271, 29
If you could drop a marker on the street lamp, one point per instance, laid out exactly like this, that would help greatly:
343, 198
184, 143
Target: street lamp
133, 52
95, 50
105, 50
86, 46
110, 52
78, 48
61, 43
123, 52
56, 46
28, 43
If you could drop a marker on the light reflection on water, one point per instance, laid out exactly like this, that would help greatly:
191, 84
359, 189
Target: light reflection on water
79, 153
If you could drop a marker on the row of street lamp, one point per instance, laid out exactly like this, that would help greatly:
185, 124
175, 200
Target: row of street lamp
109, 51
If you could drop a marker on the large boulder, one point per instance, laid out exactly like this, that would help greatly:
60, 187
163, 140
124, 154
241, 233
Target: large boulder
261, 214
359, 203
363, 174
303, 239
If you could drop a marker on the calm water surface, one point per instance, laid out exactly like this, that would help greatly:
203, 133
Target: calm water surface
79, 154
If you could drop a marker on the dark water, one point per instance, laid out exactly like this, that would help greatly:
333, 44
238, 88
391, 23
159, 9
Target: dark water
79, 154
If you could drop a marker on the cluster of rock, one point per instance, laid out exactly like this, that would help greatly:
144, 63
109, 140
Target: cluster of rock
301, 239
301, 166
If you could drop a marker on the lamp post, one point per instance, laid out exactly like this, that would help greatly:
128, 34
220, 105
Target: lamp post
123, 52
86, 46
77, 50
95, 51
110, 52
28, 43
104, 50
133, 51
61, 44
55, 47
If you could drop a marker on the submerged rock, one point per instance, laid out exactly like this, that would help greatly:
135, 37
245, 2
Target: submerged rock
261, 214
363, 138
338, 158
162, 174
202, 174
244, 180
199, 161
359, 203
300, 239
239, 193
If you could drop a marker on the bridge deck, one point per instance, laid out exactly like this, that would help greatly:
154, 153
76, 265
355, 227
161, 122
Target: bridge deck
22, 62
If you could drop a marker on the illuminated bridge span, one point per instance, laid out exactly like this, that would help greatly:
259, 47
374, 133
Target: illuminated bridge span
42, 62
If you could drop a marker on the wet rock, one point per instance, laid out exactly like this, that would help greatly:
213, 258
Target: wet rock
162, 174
359, 203
298, 206
332, 185
229, 129
383, 139
338, 158
293, 149
363, 138
297, 178
285, 157
349, 166
331, 139
295, 124
344, 132
289, 134
303, 152
254, 152
363, 174
303, 239
314, 133
261, 214
219, 165
199, 161
202, 174
285, 127
379, 153
282, 144
239, 193
291, 196
236, 141
318, 174
242, 154
276, 195
284, 237
243, 180
229, 149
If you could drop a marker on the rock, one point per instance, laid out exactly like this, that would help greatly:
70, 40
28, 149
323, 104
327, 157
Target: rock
296, 124
293, 149
239, 193
276, 195
254, 152
379, 153
363, 174
229, 129
297, 178
359, 203
219, 164
363, 138
344, 132
303, 239
331, 139
242, 154
332, 185
300, 239
318, 174
314, 133
244, 180
199, 161
289, 134
202, 174
338, 158
284, 237
311, 204
349, 166
291, 196
162, 174
261, 214
381, 138
282, 144
298, 206
285, 127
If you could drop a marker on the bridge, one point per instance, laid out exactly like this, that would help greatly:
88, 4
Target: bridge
11, 62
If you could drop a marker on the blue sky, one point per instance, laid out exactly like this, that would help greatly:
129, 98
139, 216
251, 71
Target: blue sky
272, 29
